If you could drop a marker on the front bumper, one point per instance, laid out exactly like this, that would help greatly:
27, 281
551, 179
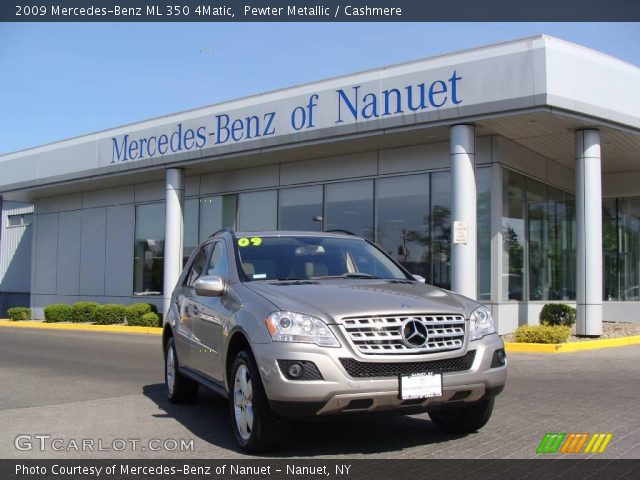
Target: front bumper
338, 392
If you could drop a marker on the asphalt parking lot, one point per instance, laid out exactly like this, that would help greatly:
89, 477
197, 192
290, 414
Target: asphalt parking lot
103, 386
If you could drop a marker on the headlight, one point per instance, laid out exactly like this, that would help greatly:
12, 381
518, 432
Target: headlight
481, 323
296, 327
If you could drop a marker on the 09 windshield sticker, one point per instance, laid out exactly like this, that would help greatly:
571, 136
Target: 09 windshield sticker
249, 242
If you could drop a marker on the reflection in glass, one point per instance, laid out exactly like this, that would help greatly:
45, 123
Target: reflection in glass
349, 206
610, 248
513, 228
629, 247
301, 208
190, 238
483, 194
149, 249
216, 213
258, 210
402, 221
537, 224
440, 224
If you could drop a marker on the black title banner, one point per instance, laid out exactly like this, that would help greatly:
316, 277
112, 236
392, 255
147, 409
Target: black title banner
298, 469
318, 11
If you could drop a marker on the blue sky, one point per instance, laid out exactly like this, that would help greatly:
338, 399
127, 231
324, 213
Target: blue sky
60, 80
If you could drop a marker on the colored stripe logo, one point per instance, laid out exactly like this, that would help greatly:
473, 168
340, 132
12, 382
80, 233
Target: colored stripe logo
582, 442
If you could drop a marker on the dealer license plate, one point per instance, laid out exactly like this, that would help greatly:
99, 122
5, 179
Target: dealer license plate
420, 385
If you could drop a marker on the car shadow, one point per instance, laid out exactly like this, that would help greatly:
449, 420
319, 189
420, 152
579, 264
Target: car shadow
208, 419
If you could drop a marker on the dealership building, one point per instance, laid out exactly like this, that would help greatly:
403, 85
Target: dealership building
509, 173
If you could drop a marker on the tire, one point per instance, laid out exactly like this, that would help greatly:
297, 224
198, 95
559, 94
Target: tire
463, 419
180, 389
256, 428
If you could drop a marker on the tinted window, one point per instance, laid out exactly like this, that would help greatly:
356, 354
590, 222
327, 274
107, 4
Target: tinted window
349, 206
301, 208
198, 265
271, 258
148, 274
258, 210
218, 264
402, 220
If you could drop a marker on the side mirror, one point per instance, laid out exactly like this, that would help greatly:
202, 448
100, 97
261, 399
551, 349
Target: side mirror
419, 278
210, 286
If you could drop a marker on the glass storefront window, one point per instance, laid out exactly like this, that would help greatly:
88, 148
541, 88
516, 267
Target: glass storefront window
513, 235
258, 210
402, 222
551, 235
190, 237
301, 208
440, 226
537, 223
539, 249
149, 249
561, 227
629, 247
483, 213
216, 213
610, 248
349, 206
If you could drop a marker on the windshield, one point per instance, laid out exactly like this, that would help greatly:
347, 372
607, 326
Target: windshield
307, 257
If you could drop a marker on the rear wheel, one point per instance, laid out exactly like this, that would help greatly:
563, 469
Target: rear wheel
463, 419
180, 389
255, 426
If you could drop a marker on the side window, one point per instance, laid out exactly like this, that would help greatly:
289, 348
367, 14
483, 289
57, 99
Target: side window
218, 264
198, 266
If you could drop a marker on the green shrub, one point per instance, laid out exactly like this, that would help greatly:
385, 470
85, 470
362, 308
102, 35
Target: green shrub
84, 311
542, 334
19, 313
110, 314
558, 314
149, 319
136, 311
58, 313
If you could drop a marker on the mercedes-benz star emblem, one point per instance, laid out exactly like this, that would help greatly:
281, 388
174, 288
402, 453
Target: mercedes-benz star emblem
414, 333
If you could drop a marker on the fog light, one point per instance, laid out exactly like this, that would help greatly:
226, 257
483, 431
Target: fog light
501, 356
295, 370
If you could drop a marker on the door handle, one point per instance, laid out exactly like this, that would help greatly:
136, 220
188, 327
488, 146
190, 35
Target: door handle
195, 311
211, 318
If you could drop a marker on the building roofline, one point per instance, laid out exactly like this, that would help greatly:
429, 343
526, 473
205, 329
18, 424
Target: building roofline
88, 136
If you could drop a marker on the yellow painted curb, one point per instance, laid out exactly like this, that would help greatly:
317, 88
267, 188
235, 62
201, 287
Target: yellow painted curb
82, 327
513, 347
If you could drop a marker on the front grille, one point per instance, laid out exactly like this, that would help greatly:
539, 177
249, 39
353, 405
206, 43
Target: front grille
380, 335
358, 369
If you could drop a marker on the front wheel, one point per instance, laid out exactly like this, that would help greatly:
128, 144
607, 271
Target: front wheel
180, 389
463, 419
256, 427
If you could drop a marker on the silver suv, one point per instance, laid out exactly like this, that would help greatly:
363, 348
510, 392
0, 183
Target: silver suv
306, 324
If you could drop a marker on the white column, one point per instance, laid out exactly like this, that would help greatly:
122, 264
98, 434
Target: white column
463, 210
589, 233
173, 228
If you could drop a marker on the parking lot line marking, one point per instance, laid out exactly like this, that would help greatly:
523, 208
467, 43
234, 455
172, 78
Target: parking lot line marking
513, 347
83, 327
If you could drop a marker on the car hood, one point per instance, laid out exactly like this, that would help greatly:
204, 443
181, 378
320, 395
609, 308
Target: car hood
335, 299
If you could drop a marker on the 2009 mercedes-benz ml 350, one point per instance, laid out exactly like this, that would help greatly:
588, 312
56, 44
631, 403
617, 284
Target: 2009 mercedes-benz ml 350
307, 324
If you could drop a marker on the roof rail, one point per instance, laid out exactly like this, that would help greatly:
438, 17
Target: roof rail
225, 229
339, 230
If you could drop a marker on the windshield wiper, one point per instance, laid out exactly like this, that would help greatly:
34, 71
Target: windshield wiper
348, 275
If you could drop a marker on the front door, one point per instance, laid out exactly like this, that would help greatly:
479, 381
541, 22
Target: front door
213, 314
